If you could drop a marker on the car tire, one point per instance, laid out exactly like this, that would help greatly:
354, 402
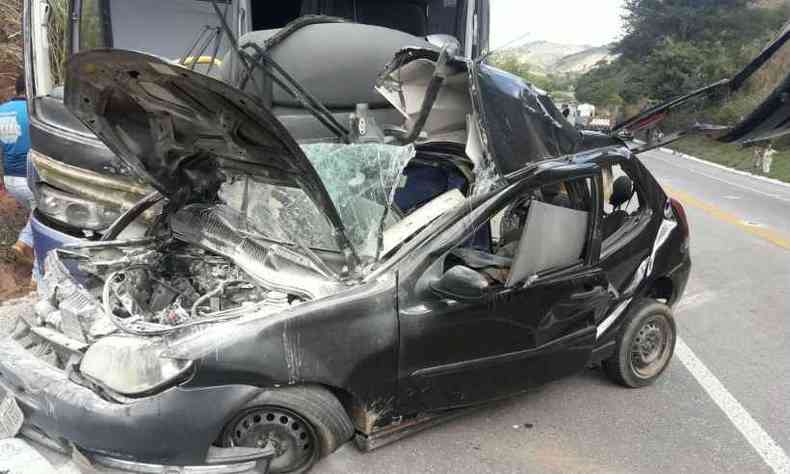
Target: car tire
645, 345
311, 415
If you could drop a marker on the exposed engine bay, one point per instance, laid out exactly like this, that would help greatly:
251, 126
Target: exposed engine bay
150, 288
157, 285
179, 284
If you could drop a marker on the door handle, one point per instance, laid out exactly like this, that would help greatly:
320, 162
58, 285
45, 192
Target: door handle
588, 294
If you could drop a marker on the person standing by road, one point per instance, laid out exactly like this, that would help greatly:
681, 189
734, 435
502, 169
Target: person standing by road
15, 141
768, 158
763, 157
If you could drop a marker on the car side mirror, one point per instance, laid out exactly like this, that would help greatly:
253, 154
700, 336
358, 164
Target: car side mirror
461, 283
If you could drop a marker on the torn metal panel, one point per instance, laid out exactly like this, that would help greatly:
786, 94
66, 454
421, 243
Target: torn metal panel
667, 226
368, 416
616, 313
522, 124
407, 83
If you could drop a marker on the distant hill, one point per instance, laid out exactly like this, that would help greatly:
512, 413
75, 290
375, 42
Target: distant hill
556, 58
545, 54
583, 61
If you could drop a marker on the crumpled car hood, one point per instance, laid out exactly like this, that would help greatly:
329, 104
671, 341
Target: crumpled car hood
184, 131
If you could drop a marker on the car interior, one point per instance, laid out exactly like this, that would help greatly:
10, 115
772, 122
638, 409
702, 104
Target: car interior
542, 230
622, 203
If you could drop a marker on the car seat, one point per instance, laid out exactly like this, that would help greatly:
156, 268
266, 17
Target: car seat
622, 192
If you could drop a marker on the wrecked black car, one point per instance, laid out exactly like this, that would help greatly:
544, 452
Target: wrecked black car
285, 298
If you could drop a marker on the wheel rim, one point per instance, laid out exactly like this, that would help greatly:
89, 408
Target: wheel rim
651, 347
292, 438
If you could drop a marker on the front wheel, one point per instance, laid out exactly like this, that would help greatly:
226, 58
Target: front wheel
302, 424
644, 346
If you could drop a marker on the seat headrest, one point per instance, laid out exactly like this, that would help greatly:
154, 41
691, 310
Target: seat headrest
622, 190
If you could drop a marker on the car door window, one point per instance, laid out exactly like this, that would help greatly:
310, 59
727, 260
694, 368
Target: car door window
623, 203
542, 230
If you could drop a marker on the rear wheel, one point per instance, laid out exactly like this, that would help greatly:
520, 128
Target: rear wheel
644, 346
302, 424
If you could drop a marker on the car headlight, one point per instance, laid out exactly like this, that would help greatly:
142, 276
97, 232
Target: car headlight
75, 211
131, 366
81, 198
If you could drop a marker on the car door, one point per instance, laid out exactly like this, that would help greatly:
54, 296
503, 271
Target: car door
461, 351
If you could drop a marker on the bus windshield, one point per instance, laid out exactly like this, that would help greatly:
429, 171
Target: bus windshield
187, 31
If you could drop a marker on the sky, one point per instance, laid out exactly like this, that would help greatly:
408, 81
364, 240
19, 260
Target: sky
592, 22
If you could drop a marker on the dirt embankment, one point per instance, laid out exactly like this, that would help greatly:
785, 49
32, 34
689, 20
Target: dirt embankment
14, 277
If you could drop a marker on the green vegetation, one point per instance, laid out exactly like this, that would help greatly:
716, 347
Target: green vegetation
733, 156
56, 29
675, 46
10, 45
672, 47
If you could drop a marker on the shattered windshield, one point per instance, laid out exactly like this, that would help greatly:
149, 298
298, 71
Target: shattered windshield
361, 181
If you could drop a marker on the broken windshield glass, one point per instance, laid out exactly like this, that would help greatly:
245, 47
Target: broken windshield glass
279, 213
361, 181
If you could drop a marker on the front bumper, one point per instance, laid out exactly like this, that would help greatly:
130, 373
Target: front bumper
168, 432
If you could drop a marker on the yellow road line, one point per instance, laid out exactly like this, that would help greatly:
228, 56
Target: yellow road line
764, 233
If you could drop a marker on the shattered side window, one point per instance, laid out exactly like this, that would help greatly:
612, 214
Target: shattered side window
361, 180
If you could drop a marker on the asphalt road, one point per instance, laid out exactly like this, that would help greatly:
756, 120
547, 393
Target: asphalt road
722, 406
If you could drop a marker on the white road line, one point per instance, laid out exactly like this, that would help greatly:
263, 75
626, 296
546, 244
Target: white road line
766, 447
747, 188
728, 169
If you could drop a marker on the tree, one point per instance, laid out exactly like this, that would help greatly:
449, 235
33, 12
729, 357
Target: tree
601, 86
671, 47
10, 45
649, 22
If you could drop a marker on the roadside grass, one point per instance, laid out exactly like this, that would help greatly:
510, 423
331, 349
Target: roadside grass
733, 156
